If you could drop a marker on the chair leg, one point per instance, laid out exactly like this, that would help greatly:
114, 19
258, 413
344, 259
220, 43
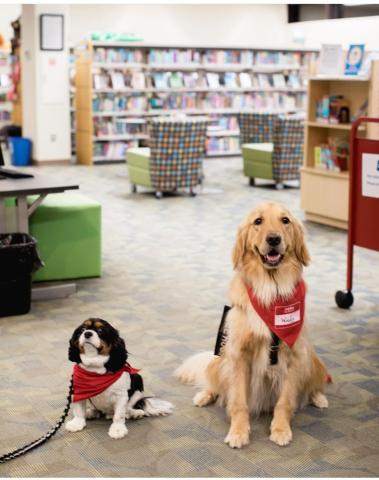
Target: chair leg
158, 194
133, 188
279, 186
192, 193
251, 181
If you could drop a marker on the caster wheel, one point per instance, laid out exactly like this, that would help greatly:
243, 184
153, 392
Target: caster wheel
158, 195
133, 188
279, 186
251, 182
192, 193
344, 299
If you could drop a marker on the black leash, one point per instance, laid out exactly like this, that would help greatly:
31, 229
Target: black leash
40, 441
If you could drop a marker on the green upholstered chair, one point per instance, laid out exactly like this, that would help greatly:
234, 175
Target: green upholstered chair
272, 146
174, 159
68, 229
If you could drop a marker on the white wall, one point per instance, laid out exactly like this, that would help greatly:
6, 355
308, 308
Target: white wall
8, 13
344, 31
234, 25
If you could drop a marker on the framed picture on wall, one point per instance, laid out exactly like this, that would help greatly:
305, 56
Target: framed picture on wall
51, 32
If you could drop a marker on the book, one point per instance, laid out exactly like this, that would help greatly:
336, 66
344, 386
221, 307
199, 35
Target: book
331, 60
213, 80
354, 59
279, 80
245, 80
117, 80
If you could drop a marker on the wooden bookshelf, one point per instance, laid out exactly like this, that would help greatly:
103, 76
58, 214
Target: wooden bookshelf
324, 193
221, 103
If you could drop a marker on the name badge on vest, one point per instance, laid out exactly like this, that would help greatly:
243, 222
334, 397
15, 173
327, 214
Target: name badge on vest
287, 315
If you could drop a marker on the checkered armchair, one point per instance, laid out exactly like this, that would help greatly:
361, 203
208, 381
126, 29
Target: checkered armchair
272, 146
256, 127
174, 159
287, 157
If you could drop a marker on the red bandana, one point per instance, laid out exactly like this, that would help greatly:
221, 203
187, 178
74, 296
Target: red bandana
89, 384
284, 317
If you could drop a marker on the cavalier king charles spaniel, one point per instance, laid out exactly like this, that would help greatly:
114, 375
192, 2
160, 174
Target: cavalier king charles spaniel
104, 383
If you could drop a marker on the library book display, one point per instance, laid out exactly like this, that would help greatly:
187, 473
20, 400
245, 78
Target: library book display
119, 87
326, 168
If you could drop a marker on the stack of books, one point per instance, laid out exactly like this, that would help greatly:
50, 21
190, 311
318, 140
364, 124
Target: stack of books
173, 55
117, 55
333, 155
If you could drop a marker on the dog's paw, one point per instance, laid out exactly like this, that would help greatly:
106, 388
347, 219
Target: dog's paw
117, 430
237, 439
135, 413
281, 436
319, 400
203, 398
75, 425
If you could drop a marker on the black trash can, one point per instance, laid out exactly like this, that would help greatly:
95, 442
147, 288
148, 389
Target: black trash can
19, 258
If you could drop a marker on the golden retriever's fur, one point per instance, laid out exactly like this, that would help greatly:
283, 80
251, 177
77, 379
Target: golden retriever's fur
242, 378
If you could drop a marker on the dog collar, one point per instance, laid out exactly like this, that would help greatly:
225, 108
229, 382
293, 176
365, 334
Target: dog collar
285, 316
89, 384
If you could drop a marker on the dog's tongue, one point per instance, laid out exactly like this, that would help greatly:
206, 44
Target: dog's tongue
272, 258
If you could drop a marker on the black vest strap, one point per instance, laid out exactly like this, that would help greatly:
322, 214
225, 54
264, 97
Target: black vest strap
274, 349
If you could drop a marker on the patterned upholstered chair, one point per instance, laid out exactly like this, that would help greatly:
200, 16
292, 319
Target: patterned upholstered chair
174, 159
272, 146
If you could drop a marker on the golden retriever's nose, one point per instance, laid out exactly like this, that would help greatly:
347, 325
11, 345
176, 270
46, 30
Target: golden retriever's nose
273, 239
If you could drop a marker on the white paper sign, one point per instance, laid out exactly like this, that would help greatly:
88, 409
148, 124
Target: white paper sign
370, 175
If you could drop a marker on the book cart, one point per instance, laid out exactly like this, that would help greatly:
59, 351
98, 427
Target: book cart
363, 225
120, 86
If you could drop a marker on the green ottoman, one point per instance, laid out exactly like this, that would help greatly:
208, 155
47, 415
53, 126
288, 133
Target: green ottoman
68, 229
138, 160
257, 160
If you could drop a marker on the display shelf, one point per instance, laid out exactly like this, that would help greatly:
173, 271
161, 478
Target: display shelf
336, 126
152, 81
324, 193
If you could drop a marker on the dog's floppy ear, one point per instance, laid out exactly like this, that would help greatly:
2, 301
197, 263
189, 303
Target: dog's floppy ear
239, 248
117, 355
301, 249
73, 349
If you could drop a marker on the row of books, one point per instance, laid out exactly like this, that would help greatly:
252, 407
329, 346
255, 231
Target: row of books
118, 127
113, 150
225, 123
222, 144
118, 55
163, 80
333, 109
332, 155
196, 56
109, 102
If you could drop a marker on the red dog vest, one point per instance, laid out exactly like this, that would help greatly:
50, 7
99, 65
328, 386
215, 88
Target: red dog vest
284, 317
89, 384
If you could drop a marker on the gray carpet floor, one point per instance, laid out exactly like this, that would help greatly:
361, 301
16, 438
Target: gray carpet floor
166, 269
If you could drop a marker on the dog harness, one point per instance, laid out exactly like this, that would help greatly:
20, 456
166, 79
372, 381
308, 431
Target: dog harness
284, 318
89, 384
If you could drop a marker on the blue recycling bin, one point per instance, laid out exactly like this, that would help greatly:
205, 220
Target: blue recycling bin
20, 149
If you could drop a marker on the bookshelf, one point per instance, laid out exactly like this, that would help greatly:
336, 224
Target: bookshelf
324, 193
71, 72
119, 86
5, 87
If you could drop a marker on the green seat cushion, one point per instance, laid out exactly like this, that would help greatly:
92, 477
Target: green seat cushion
67, 227
257, 160
138, 160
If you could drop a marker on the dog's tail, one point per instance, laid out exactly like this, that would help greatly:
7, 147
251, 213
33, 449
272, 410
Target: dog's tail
153, 407
193, 370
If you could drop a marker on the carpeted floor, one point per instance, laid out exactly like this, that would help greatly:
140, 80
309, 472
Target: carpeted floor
166, 272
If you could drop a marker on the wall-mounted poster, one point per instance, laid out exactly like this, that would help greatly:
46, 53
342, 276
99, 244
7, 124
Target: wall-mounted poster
51, 32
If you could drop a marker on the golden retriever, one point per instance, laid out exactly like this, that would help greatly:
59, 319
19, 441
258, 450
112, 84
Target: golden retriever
268, 256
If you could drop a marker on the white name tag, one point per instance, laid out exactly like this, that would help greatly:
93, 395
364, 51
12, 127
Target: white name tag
287, 315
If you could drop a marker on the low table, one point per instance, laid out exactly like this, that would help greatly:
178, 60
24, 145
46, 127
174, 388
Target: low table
20, 188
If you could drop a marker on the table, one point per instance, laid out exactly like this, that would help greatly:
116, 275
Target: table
20, 188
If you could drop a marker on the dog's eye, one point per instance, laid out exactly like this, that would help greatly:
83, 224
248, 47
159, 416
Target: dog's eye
286, 220
99, 330
258, 221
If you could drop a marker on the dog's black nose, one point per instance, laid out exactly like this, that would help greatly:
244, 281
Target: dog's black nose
273, 240
88, 334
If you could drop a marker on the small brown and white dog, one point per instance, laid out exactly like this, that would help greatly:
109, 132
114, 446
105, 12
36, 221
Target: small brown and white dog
103, 381
267, 362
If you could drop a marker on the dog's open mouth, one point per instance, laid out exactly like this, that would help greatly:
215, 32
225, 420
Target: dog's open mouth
272, 258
